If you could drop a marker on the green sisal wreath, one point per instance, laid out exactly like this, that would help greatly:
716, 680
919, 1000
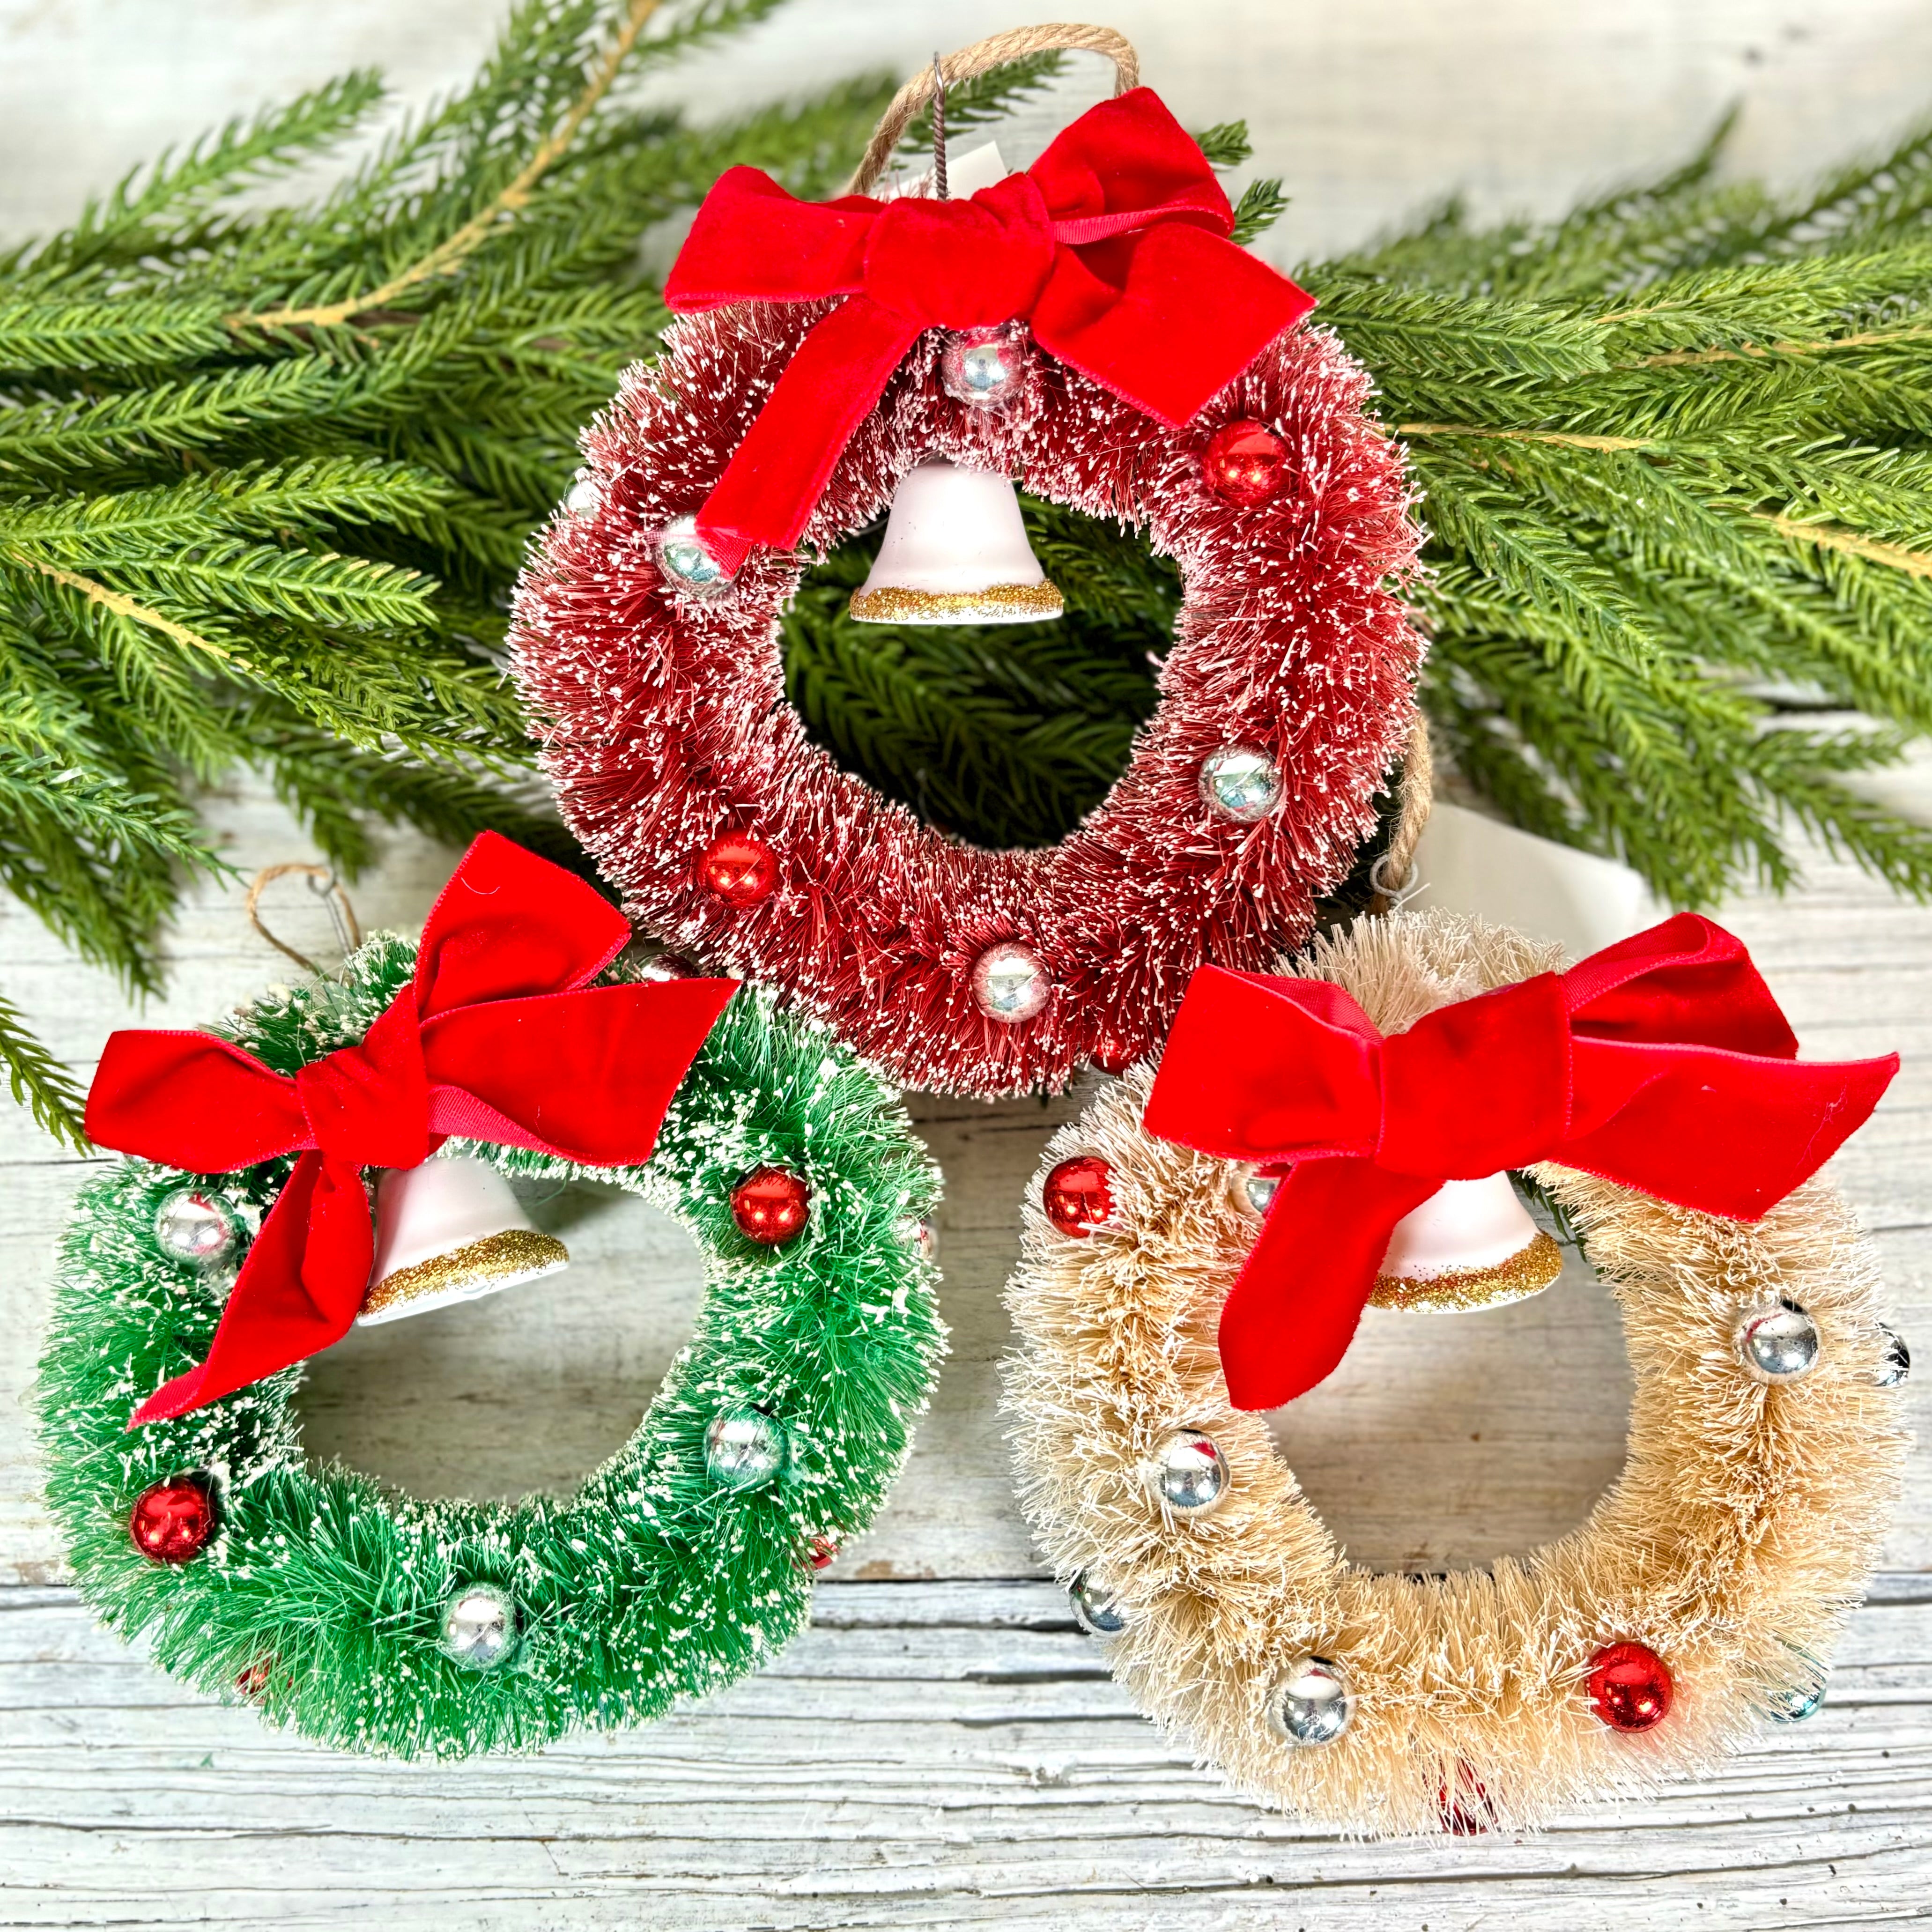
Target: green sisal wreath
376, 1621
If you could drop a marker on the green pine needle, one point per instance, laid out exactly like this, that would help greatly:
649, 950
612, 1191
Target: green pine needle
39, 1082
267, 473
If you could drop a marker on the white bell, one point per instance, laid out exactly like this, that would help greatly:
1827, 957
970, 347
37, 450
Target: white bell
1472, 1244
956, 552
450, 1230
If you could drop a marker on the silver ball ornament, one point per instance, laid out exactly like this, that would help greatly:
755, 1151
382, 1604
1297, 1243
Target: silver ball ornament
985, 368
1777, 1341
1010, 982
1252, 1191
1094, 1609
1312, 1704
1895, 1364
1792, 1703
585, 498
195, 1225
1191, 1473
1240, 782
479, 1627
743, 1448
687, 565
660, 967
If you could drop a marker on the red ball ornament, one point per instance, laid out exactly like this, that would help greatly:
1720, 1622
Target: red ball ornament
253, 1682
1078, 1195
771, 1204
1629, 1687
1244, 462
740, 869
823, 1549
1465, 1812
172, 1522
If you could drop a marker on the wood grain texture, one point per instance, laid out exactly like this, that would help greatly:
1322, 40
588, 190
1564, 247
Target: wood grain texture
942, 1748
929, 1755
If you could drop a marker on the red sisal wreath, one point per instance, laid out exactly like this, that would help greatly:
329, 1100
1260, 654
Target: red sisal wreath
660, 702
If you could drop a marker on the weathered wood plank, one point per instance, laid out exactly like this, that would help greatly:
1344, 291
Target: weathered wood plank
927, 1754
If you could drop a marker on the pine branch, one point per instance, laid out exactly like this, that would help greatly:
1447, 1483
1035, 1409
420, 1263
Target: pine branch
1225, 144
448, 255
267, 473
39, 1082
1261, 205
159, 204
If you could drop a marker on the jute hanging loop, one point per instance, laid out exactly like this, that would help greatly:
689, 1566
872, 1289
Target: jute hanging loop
1394, 871
981, 57
324, 883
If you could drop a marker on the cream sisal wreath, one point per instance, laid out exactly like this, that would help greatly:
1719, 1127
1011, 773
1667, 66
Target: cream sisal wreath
1741, 1529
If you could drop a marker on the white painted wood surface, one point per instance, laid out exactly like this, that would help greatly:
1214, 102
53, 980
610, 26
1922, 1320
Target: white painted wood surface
942, 1748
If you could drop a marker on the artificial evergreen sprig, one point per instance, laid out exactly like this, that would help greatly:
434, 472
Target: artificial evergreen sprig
267, 474
1673, 459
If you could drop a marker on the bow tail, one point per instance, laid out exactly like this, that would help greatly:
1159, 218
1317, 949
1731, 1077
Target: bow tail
297, 1291
779, 472
1295, 1305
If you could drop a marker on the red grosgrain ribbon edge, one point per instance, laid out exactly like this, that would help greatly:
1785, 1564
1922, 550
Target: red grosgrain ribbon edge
1113, 246
1662, 1063
499, 1037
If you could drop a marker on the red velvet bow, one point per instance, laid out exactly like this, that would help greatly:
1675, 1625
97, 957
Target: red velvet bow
1112, 246
1662, 1063
498, 1038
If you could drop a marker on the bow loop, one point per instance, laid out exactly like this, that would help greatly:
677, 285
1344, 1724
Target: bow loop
1662, 1063
1302, 1079
191, 1101
497, 1037
1129, 159
509, 926
1688, 980
1113, 246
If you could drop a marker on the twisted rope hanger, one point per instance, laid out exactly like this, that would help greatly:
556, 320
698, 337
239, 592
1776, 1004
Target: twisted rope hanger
981, 57
323, 882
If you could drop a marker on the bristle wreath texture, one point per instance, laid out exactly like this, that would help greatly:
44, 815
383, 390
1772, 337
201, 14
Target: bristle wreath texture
319, 1600
664, 722
1744, 1526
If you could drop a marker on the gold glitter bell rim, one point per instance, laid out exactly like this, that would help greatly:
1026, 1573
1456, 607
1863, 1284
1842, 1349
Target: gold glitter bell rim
448, 1231
997, 604
955, 552
1472, 1244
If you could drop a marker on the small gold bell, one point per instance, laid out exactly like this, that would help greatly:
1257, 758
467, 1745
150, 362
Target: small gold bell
955, 552
450, 1230
1472, 1244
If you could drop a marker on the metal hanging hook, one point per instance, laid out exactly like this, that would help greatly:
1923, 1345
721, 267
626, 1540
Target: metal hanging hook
938, 128
323, 882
